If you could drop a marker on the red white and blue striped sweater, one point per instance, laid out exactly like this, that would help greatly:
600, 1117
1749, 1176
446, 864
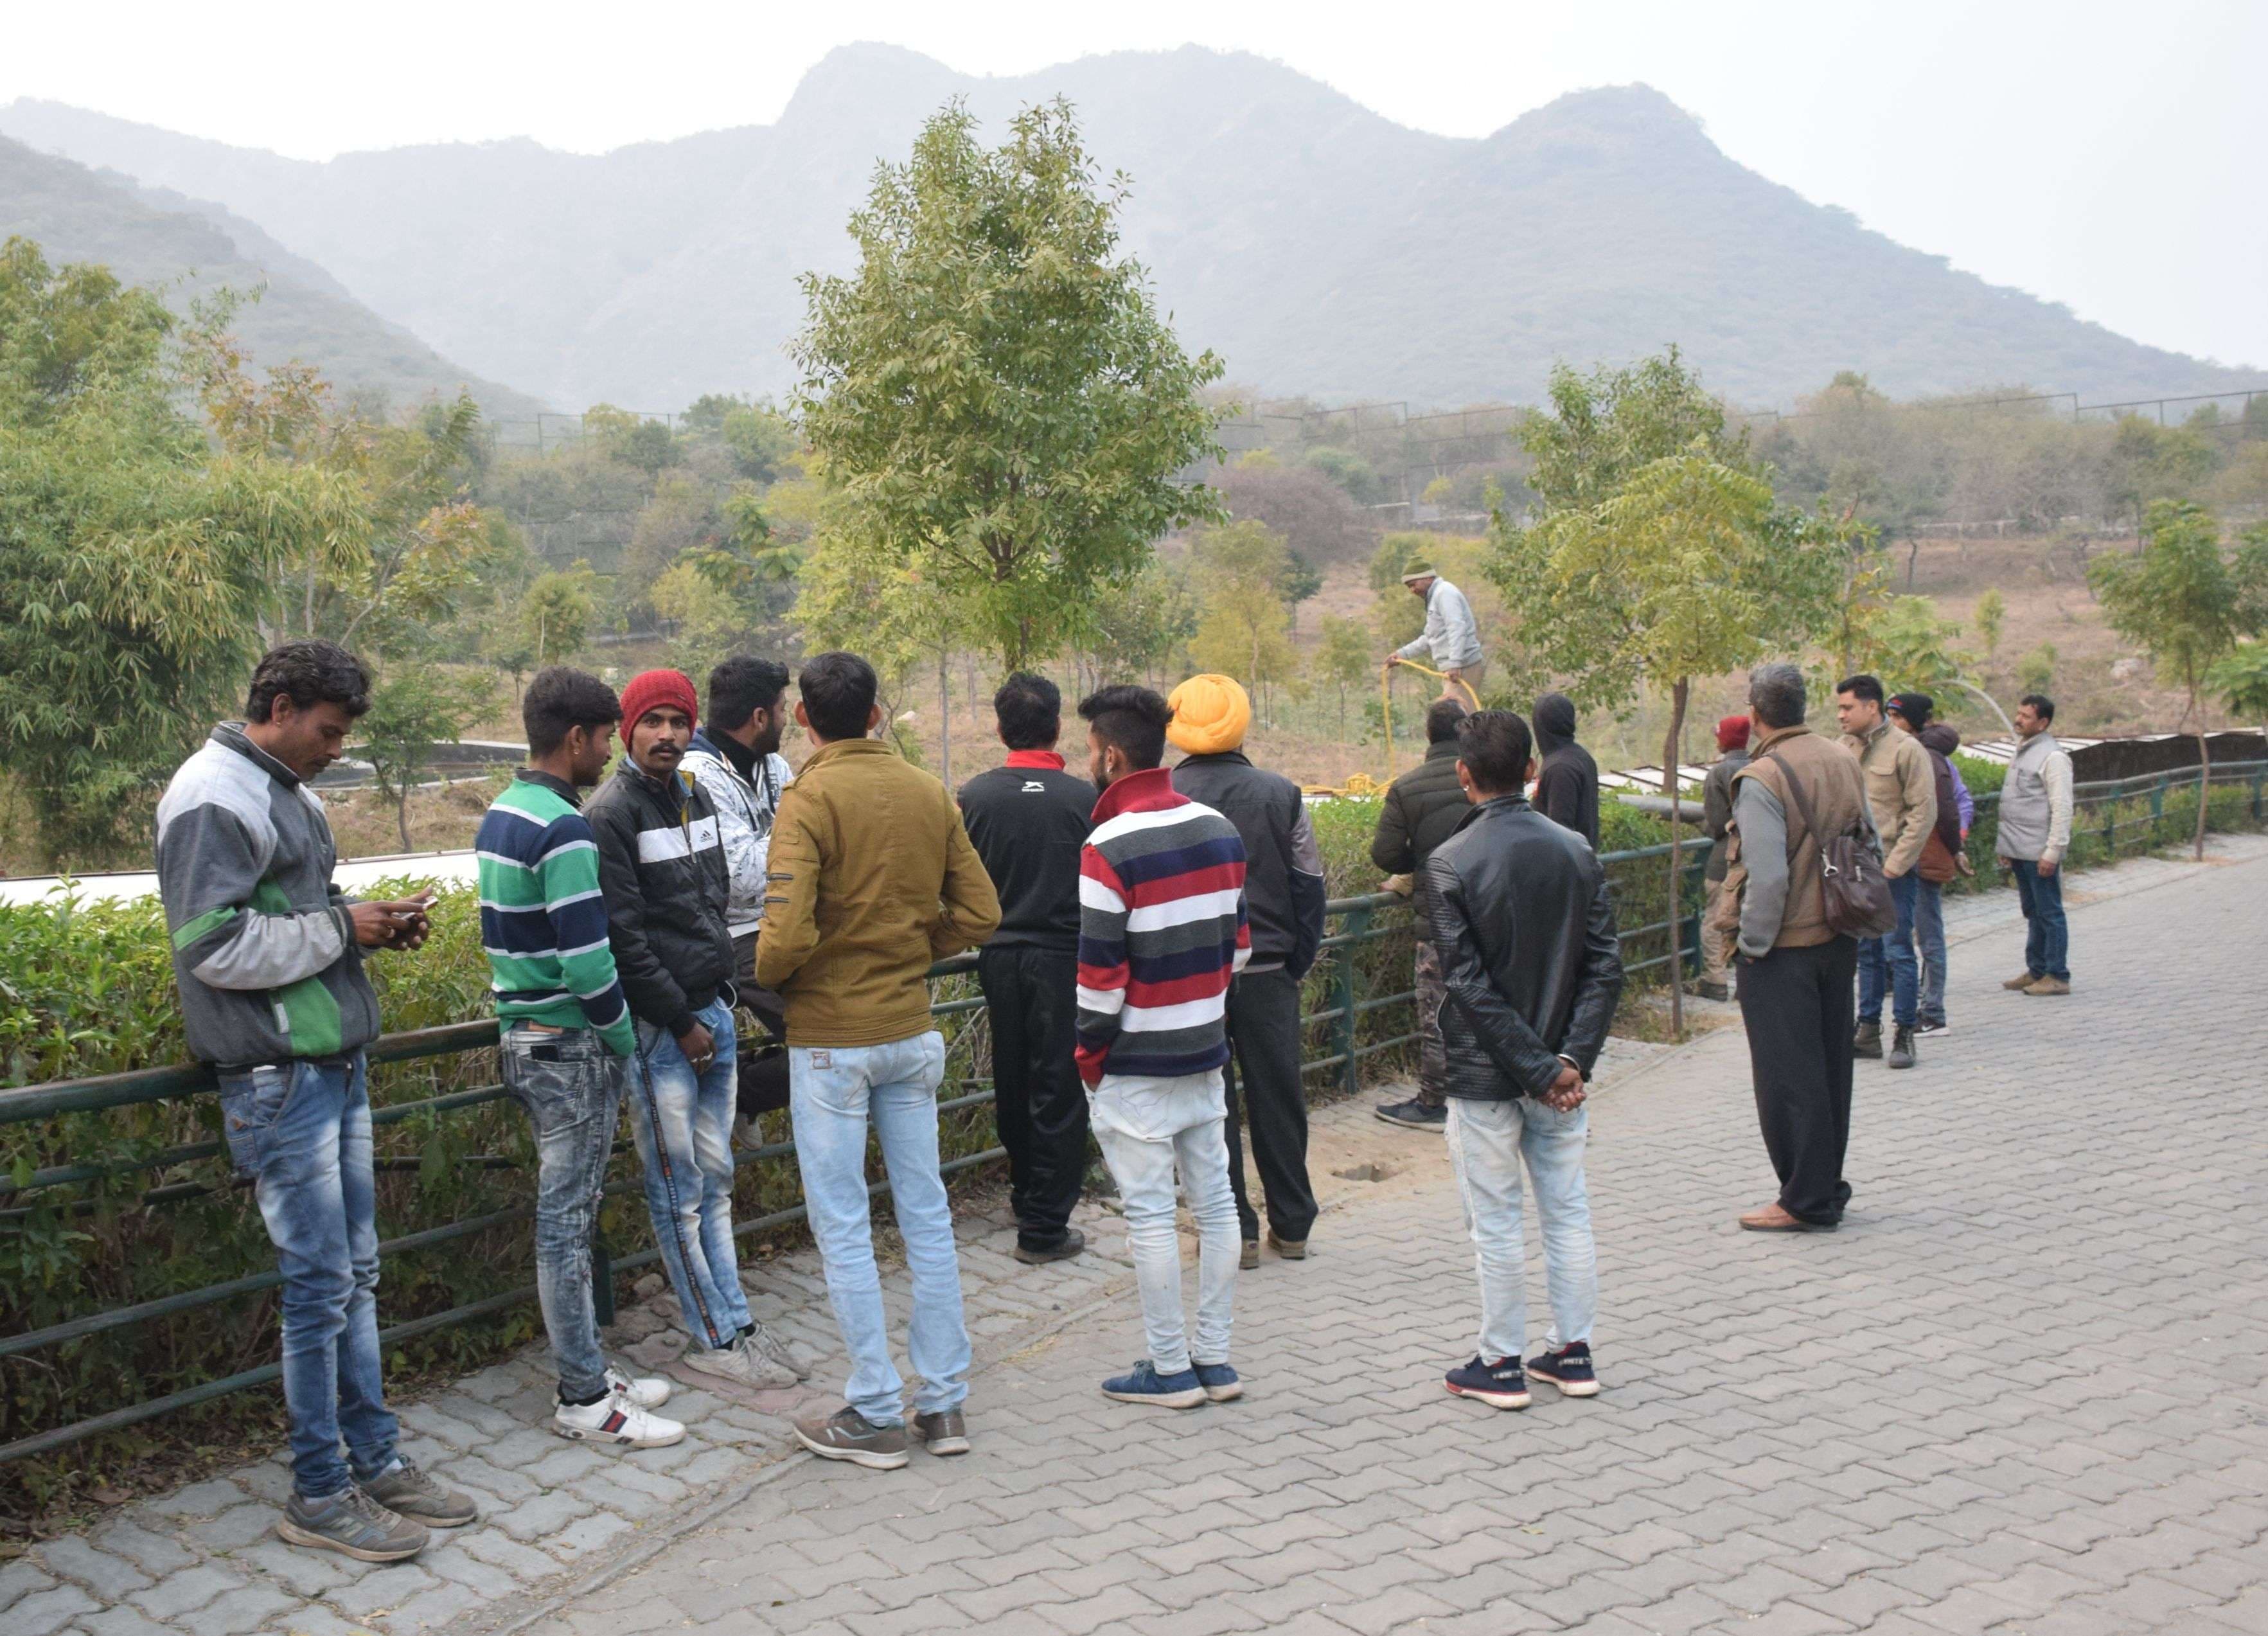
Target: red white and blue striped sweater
1161, 932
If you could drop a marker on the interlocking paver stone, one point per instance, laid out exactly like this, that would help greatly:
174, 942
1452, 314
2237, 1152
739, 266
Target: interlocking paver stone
1936, 1420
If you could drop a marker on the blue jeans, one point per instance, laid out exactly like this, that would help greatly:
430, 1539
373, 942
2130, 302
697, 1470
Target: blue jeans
2047, 934
301, 1130
1146, 1127
571, 1086
683, 1121
1487, 1141
1897, 953
1929, 931
835, 1091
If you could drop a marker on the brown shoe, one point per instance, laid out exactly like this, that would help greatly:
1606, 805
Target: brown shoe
2049, 985
846, 1434
1249, 1258
1772, 1219
2024, 982
943, 1433
1290, 1248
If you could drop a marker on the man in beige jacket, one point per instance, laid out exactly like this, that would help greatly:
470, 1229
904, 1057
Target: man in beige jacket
872, 879
1902, 793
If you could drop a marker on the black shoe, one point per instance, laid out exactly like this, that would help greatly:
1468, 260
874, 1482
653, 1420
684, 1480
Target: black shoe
1569, 1369
1712, 991
1902, 1047
1414, 1115
1500, 1385
1868, 1043
1073, 1242
1932, 1025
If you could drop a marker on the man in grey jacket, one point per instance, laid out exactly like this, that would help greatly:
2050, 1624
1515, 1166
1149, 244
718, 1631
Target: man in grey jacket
2033, 836
268, 955
1452, 637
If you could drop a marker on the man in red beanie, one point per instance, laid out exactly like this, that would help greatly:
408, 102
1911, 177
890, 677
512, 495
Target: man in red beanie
1717, 818
663, 874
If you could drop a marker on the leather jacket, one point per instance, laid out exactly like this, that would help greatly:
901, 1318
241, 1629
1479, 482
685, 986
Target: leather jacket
1517, 909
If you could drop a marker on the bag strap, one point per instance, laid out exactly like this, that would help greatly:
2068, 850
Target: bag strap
1802, 801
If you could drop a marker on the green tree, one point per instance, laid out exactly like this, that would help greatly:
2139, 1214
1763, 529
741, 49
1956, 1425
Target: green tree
994, 390
1686, 568
2177, 598
1242, 628
1992, 610
1300, 582
2241, 679
556, 614
633, 440
132, 556
1346, 657
1146, 627
413, 710
1604, 427
2035, 671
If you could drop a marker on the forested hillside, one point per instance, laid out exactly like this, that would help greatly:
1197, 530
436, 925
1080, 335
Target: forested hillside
1316, 247
187, 249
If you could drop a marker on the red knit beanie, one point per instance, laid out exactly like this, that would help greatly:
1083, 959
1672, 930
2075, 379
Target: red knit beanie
1732, 731
651, 688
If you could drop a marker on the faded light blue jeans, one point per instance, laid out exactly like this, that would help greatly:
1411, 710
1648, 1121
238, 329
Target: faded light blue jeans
301, 1130
572, 1088
1147, 1128
836, 1093
1487, 1142
1929, 933
683, 1121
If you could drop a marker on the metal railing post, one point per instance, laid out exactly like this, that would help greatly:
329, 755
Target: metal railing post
1354, 924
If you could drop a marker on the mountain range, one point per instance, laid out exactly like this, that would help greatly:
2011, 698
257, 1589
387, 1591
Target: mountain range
1319, 247
188, 249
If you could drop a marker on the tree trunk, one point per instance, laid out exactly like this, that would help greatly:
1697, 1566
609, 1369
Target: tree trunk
2204, 774
402, 813
944, 716
1670, 788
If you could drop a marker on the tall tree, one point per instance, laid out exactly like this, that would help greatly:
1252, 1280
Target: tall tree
1685, 569
131, 554
2179, 599
994, 390
1242, 627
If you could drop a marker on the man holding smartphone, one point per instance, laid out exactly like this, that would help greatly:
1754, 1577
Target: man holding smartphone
268, 953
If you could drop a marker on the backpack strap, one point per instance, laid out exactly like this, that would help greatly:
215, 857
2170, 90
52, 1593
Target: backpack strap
1802, 806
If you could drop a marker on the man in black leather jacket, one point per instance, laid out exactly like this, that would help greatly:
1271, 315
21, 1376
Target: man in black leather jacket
1517, 909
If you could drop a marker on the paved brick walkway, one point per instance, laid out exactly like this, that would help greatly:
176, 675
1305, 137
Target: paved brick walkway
2021, 1392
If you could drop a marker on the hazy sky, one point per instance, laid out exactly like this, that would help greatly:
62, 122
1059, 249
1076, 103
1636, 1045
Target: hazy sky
2096, 153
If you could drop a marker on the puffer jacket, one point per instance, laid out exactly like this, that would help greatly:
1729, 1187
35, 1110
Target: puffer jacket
1423, 808
1517, 909
662, 872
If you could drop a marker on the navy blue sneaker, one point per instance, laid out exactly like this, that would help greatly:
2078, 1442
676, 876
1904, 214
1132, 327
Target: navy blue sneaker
1500, 1385
1569, 1369
1143, 1384
1220, 1382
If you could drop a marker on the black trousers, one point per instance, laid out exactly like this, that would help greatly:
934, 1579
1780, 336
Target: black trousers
761, 1085
1263, 1037
1799, 1010
1038, 1101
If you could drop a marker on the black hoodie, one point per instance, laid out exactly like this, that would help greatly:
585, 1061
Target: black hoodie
1567, 782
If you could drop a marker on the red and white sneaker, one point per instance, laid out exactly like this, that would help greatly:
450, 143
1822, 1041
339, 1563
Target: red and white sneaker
615, 1419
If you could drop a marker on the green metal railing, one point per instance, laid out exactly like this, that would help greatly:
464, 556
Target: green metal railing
2126, 806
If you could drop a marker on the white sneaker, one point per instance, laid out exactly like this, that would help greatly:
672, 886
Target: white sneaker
775, 1349
645, 1391
615, 1419
742, 1365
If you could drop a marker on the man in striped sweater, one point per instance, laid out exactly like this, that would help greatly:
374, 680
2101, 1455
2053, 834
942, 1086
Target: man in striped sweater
1162, 932
567, 1033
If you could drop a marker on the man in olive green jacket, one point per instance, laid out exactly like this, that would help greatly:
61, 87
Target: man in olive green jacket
1902, 794
872, 879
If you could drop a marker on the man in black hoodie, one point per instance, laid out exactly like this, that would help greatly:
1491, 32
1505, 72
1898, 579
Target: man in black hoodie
1423, 808
1567, 782
1027, 821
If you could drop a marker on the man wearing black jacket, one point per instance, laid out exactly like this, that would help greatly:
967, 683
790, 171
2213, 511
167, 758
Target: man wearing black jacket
1284, 898
1423, 808
1518, 907
1567, 780
663, 874
1027, 821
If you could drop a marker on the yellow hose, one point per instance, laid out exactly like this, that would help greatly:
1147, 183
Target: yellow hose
1385, 699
